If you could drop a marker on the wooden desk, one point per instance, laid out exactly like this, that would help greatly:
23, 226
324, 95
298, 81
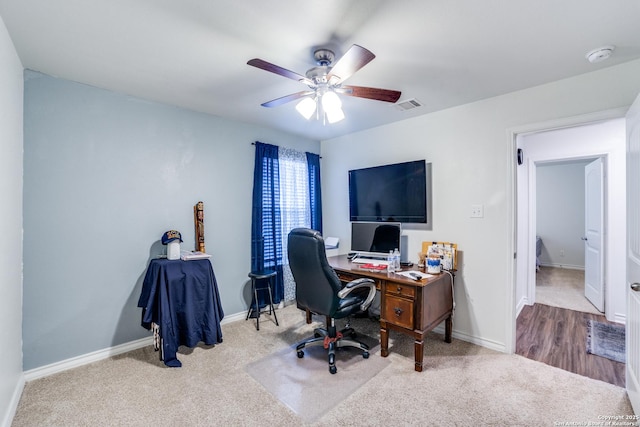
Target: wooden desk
407, 306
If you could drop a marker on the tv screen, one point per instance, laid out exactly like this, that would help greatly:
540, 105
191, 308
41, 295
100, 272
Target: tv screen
374, 237
396, 192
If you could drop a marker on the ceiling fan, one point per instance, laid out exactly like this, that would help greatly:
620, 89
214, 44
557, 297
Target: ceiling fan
325, 82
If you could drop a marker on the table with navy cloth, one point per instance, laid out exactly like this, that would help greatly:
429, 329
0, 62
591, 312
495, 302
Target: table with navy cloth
181, 297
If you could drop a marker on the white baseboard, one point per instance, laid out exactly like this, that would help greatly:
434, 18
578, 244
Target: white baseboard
13, 404
523, 301
493, 345
234, 317
106, 353
619, 318
567, 266
85, 359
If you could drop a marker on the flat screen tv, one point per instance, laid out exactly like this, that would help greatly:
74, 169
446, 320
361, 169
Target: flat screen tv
395, 192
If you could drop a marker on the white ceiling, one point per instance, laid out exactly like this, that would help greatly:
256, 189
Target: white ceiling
193, 53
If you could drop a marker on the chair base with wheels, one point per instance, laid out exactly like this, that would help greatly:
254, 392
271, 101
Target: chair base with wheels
333, 340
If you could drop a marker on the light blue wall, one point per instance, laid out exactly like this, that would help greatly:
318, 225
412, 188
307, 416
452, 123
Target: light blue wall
11, 378
105, 175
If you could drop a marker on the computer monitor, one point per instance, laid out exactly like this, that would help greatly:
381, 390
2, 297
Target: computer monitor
375, 238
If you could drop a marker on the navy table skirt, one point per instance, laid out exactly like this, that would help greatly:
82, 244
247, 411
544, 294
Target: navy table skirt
181, 297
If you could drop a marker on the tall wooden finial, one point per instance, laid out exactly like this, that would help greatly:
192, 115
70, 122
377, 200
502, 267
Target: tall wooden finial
198, 219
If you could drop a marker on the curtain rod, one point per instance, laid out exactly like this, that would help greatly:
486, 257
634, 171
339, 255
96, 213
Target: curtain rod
253, 143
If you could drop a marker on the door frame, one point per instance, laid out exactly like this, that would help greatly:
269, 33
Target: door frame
521, 263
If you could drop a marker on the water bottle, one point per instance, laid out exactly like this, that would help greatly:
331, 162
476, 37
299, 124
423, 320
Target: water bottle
396, 260
391, 263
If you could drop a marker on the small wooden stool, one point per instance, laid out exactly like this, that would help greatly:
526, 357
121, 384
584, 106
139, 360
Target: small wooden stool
256, 276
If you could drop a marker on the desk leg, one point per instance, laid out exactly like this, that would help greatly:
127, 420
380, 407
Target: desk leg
384, 340
448, 326
418, 348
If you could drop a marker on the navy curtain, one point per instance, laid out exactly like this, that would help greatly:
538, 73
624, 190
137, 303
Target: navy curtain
315, 199
266, 236
266, 224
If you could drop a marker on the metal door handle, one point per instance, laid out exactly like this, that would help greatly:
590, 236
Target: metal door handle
635, 287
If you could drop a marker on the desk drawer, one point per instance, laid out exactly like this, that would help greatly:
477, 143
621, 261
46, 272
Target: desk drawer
401, 290
398, 311
346, 278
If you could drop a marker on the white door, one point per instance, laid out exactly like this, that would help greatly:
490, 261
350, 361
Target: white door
593, 236
633, 257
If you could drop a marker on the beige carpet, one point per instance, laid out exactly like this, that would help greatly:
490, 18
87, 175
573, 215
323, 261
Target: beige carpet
462, 384
562, 287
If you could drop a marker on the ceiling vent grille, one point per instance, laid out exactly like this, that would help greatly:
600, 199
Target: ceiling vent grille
409, 104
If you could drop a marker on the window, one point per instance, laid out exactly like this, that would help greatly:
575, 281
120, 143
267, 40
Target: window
286, 195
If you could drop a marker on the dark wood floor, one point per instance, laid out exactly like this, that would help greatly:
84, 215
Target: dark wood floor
557, 337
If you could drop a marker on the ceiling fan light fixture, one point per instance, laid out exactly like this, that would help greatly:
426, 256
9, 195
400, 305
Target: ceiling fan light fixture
332, 106
335, 115
306, 107
324, 81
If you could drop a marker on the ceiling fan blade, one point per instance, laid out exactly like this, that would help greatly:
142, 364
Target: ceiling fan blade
385, 95
283, 100
267, 66
354, 59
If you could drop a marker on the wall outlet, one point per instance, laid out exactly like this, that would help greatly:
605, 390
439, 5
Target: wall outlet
477, 211
561, 252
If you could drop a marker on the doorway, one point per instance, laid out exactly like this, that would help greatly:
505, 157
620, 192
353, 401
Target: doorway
603, 139
572, 143
560, 234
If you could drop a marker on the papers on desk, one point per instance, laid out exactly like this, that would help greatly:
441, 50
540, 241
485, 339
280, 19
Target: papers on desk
331, 242
415, 275
372, 267
191, 255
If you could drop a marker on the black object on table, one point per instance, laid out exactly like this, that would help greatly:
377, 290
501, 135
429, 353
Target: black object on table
265, 277
181, 297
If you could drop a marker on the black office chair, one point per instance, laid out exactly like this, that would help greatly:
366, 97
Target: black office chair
319, 290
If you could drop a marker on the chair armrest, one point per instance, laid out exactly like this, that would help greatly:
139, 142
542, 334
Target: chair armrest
358, 284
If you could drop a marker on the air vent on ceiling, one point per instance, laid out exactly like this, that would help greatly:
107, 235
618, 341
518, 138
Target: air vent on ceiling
409, 104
